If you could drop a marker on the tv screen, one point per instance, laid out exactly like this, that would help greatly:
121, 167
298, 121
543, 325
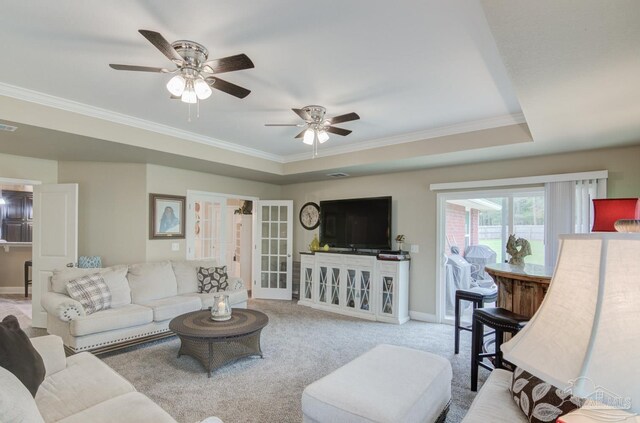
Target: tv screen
356, 223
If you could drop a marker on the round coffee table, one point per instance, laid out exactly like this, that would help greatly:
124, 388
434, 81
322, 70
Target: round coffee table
216, 343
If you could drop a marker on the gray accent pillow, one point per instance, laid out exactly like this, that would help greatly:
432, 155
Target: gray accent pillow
212, 279
91, 291
541, 401
18, 356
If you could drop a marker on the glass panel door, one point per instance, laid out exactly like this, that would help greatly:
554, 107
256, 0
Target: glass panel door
475, 231
365, 289
274, 250
206, 230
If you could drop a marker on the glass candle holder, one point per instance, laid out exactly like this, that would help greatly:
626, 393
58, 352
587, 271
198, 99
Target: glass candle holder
221, 310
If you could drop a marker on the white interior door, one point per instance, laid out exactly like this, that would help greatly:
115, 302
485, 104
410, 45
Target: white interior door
272, 261
55, 238
206, 229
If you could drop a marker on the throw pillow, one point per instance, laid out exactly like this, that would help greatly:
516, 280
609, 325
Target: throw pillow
541, 401
91, 291
212, 279
18, 356
89, 262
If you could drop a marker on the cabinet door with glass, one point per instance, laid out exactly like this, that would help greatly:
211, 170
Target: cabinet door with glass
329, 277
308, 278
358, 286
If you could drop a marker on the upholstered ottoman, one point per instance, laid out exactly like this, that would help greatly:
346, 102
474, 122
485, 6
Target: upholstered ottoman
388, 384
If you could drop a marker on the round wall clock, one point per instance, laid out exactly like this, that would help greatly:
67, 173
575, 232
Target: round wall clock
310, 216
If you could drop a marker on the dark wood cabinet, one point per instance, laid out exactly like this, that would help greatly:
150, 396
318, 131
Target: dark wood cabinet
16, 216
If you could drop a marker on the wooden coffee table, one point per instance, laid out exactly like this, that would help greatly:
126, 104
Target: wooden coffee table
216, 343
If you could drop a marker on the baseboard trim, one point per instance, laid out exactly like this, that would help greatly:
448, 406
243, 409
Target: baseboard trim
423, 317
12, 290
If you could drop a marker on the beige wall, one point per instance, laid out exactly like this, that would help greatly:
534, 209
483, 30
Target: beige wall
12, 267
18, 167
166, 180
414, 205
112, 209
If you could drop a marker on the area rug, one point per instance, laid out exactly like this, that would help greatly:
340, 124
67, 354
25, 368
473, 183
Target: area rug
300, 345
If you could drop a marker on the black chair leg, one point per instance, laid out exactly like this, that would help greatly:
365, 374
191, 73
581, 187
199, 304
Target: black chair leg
457, 330
26, 280
499, 339
476, 349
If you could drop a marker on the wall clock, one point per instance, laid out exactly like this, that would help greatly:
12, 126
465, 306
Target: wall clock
310, 216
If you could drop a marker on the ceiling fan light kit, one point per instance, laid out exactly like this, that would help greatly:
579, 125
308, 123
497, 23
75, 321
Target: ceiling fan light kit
318, 127
194, 75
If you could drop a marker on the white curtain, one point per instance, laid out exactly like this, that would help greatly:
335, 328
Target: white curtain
569, 209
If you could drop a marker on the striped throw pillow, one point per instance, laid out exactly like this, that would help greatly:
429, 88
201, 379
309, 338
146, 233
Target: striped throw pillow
91, 291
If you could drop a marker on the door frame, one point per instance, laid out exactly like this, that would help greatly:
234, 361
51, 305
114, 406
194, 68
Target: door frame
249, 284
17, 181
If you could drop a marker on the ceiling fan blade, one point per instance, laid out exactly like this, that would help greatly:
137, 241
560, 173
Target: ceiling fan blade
138, 68
301, 134
344, 118
284, 124
227, 87
337, 131
175, 97
302, 113
161, 44
229, 64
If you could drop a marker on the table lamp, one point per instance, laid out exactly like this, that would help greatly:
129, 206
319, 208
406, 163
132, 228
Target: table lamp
586, 334
616, 214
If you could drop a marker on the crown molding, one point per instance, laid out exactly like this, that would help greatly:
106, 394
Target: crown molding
460, 128
47, 100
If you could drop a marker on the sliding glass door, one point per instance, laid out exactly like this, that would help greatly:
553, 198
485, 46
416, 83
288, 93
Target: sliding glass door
474, 229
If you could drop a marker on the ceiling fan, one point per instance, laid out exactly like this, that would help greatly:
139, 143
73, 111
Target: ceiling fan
194, 74
317, 126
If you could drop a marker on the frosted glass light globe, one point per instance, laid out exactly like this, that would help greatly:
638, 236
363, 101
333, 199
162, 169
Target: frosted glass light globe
176, 85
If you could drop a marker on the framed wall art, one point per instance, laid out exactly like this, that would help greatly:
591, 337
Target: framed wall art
166, 216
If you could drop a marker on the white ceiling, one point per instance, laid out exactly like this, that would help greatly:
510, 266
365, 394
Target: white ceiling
414, 70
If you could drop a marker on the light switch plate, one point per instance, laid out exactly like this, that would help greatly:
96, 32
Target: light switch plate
175, 246
415, 248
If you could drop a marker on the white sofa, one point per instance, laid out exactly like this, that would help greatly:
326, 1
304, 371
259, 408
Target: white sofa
494, 402
77, 389
145, 297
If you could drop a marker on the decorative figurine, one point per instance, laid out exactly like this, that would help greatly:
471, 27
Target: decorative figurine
400, 240
518, 255
315, 244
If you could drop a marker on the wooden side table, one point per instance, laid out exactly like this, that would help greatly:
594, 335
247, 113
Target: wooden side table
521, 289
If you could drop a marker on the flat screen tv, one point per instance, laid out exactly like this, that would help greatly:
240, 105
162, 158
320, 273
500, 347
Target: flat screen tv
356, 223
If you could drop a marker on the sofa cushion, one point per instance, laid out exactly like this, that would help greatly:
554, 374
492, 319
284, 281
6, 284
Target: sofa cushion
91, 292
132, 407
115, 277
18, 356
493, 403
186, 270
540, 401
16, 403
113, 318
152, 281
212, 279
168, 308
85, 382
235, 297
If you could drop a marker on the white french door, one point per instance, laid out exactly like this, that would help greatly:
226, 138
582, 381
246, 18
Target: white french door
206, 227
273, 271
55, 238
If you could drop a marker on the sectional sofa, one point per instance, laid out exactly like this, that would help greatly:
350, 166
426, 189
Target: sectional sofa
76, 389
145, 297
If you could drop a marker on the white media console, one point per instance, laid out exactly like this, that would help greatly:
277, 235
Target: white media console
356, 285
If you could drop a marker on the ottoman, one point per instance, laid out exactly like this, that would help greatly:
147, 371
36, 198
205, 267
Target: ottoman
388, 384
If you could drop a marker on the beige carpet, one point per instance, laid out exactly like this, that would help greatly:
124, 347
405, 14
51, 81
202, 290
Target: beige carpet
300, 346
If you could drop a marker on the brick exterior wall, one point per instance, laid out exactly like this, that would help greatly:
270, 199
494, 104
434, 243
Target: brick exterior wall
455, 231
